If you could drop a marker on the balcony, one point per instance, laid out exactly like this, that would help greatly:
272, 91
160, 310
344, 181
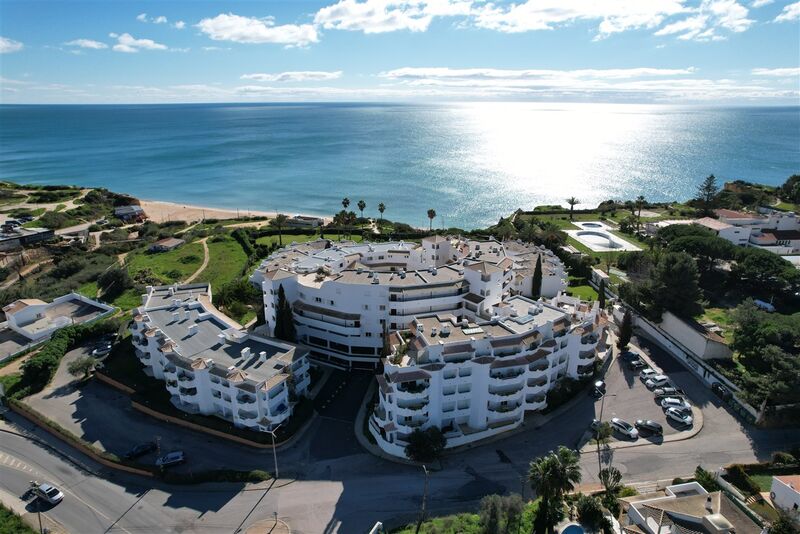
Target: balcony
537, 382
172, 385
512, 396
505, 377
414, 405
536, 399
245, 399
448, 392
412, 387
585, 370
541, 365
183, 377
504, 408
586, 354
505, 390
414, 424
187, 392
458, 357
170, 369
247, 415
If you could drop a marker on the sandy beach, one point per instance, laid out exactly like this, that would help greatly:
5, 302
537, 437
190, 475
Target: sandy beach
159, 211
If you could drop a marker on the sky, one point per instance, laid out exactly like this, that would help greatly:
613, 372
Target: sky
719, 52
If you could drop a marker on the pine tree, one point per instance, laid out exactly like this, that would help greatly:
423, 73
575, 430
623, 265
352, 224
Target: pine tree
601, 293
537, 279
284, 318
625, 331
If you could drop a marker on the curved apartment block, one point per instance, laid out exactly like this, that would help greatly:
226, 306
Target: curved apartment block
476, 379
345, 296
210, 365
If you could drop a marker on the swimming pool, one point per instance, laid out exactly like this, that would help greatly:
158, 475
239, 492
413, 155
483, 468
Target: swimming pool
572, 529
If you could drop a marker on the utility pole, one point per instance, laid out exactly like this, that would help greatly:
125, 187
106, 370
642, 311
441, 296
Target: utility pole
39, 514
602, 405
274, 451
424, 500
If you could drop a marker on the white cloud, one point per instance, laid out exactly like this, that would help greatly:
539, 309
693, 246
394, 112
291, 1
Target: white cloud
789, 13
786, 72
379, 16
522, 77
708, 19
214, 48
87, 43
160, 20
8, 46
129, 44
179, 25
230, 27
761, 3
613, 15
294, 76
142, 17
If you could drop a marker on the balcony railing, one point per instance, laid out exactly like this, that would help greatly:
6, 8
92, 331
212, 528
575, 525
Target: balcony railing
187, 392
507, 376
586, 354
537, 382
413, 406
245, 399
412, 387
506, 392
244, 414
185, 378
504, 408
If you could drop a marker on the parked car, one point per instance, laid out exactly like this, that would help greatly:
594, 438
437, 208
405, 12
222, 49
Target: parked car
624, 428
12, 222
629, 356
721, 391
170, 459
47, 492
679, 416
595, 426
675, 402
646, 373
650, 426
101, 222
656, 381
668, 391
25, 218
103, 349
140, 450
636, 364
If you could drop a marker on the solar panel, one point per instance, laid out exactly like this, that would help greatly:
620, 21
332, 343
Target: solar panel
525, 319
471, 331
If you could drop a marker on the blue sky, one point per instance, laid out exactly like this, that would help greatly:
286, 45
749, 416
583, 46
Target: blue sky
662, 51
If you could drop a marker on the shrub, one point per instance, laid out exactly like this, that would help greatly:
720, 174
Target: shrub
738, 477
590, 511
425, 445
706, 479
783, 458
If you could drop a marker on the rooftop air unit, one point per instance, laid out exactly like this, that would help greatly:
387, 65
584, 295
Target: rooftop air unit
175, 317
192, 329
434, 330
245, 352
375, 280
445, 330
262, 355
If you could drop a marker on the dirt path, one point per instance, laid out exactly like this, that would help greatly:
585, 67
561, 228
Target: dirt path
12, 279
205, 262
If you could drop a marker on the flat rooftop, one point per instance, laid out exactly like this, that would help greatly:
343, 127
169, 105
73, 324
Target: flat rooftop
75, 311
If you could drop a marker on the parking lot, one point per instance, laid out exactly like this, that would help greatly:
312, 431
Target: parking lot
628, 398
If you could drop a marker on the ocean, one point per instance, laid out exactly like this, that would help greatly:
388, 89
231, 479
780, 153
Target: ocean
472, 163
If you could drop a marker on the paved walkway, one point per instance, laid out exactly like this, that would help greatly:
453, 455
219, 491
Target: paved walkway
205, 262
269, 526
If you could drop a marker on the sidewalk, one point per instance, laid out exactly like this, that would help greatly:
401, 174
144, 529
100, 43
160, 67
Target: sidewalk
18, 506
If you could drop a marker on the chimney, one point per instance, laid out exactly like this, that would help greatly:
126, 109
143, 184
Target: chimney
246, 352
192, 329
262, 355
175, 317
709, 507
171, 291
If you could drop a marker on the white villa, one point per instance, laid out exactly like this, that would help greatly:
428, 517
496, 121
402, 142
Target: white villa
475, 379
344, 296
211, 365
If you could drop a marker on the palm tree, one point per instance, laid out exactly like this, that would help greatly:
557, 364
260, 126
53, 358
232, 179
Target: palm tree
279, 222
381, 208
611, 479
431, 216
572, 201
551, 476
640, 202
345, 203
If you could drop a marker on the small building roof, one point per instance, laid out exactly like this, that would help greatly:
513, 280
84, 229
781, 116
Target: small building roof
733, 214
169, 242
713, 224
21, 304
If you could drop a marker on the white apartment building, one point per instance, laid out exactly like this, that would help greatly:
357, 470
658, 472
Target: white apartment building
475, 379
210, 365
344, 296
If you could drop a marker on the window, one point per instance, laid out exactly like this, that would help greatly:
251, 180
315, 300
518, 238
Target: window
368, 334
380, 257
382, 307
366, 306
317, 299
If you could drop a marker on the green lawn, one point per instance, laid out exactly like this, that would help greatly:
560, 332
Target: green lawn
585, 292
226, 262
764, 510
721, 316
272, 239
788, 206
89, 289
129, 299
467, 523
172, 266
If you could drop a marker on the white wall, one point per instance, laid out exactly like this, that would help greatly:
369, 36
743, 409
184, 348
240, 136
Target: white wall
785, 496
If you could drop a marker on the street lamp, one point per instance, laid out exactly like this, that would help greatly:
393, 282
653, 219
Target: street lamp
602, 405
274, 452
424, 499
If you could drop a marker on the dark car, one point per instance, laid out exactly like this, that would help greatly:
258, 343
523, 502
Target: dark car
140, 450
636, 364
649, 426
629, 356
171, 458
668, 391
599, 388
721, 391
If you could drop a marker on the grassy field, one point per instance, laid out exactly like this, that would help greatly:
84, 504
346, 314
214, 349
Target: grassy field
584, 292
89, 289
467, 523
225, 264
272, 239
171, 266
130, 298
721, 316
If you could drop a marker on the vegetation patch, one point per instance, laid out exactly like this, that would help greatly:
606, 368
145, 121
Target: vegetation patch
11, 523
166, 267
227, 261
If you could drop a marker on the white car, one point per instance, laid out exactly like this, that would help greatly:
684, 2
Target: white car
656, 381
644, 374
679, 416
624, 428
678, 404
47, 493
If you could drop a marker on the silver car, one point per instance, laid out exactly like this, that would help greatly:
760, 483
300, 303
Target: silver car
47, 493
674, 402
624, 428
679, 416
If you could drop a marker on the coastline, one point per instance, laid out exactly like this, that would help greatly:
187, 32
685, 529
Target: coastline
161, 211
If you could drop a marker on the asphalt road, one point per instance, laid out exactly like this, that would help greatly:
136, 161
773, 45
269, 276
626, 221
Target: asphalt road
332, 485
